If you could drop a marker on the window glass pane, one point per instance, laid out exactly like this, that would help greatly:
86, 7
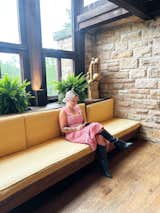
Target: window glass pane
88, 2
51, 74
10, 65
67, 67
9, 26
56, 24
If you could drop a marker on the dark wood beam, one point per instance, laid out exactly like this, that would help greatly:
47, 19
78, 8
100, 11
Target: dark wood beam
154, 7
58, 53
78, 38
104, 19
96, 12
11, 48
136, 7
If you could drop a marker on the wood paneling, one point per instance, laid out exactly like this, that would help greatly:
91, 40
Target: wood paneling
136, 7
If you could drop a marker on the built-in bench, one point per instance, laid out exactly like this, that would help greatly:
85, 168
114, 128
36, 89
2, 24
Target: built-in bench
34, 155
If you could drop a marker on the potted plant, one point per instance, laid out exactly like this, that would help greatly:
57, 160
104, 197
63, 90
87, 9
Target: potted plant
13, 96
77, 83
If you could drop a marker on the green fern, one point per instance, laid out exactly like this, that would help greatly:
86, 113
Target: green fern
13, 95
77, 83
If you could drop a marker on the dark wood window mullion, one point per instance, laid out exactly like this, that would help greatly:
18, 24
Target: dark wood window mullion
78, 37
24, 55
59, 68
59, 53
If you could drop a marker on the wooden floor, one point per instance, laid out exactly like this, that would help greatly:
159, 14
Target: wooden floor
134, 188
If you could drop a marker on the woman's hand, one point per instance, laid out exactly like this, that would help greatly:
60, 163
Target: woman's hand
79, 127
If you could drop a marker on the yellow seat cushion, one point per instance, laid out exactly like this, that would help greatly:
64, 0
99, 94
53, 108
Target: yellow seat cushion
41, 126
12, 135
100, 111
119, 127
21, 169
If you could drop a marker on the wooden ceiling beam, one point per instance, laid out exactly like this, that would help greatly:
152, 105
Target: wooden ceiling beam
136, 7
105, 18
96, 12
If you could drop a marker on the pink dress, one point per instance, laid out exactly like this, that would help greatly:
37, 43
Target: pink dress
87, 134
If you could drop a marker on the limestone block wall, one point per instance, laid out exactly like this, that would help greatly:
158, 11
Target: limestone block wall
130, 64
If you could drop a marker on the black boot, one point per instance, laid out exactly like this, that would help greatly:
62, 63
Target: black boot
103, 160
117, 142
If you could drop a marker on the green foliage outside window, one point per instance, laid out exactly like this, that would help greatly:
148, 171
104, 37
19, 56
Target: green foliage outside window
77, 83
50, 74
9, 68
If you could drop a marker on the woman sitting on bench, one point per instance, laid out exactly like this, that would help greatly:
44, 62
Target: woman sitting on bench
76, 130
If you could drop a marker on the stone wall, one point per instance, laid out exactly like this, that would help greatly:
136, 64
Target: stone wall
130, 64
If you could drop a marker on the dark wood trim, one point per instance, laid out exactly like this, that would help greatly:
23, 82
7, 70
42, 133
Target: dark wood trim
130, 135
81, 53
59, 67
155, 13
136, 7
79, 38
44, 78
108, 17
154, 7
25, 55
96, 12
33, 36
11, 48
58, 53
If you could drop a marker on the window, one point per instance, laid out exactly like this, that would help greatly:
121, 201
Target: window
9, 24
12, 50
66, 67
51, 74
56, 24
57, 69
41, 30
57, 46
10, 65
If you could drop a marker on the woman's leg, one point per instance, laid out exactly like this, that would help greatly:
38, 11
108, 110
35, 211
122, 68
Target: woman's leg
117, 142
102, 155
100, 140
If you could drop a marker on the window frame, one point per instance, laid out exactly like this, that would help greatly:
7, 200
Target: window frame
21, 49
24, 49
75, 54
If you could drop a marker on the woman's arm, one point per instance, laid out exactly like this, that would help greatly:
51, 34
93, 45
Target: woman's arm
63, 123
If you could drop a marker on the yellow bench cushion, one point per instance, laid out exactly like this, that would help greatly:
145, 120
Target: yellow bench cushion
100, 111
120, 127
12, 135
41, 126
21, 169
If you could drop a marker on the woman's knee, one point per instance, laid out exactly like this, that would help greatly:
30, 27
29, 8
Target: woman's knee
100, 140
